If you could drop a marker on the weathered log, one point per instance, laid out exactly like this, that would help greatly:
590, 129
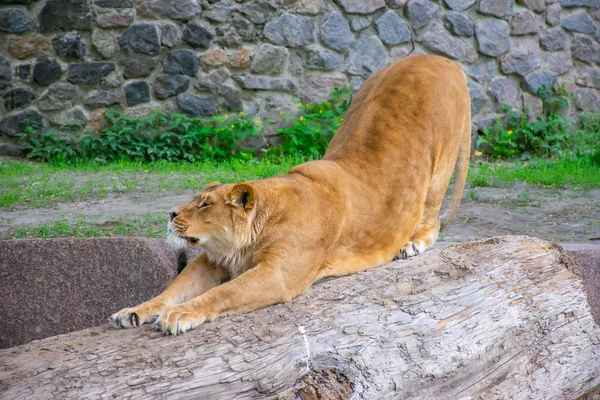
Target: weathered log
495, 319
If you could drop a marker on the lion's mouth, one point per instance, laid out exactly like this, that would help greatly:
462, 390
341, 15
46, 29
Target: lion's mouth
188, 239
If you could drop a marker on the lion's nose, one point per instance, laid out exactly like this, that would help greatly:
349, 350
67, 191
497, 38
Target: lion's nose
173, 214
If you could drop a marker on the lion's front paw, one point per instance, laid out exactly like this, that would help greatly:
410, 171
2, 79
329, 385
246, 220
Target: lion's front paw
178, 319
410, 249
134, 316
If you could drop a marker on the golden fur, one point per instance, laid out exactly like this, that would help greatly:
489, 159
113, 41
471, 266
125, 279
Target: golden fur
376, 194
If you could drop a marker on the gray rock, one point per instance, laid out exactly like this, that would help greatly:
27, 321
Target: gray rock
553, 39
311, 7
170, 35
212, 80
17, 98
588, 77
585, 49
498, 8
65, 15
316, 57
492, 37
195, 106
137, 93
291, 31
17, 123
579, 22
535, 5
335, 32
360, 23
459, 5
69, 46
269, 59
115, 3
355, 83
90, 73
479, 73
8, 149
478, 97
106, 42
217, 13
59, 97
560, 62
197, 35
420, 12
532, 104
138, 66
181, 62
141, 38
553, 14
523, 23
523, 58
265, 83
113, 80
102, 98
577, 3
587, 99
258, 11
492, 67
392, 29
232, 97
361, 6
367, 55
441, 41
14, 20
116, 19
73, 116
182, 10
170, 85
23, 71
317, 88
5, 71
46, 71
459, 24
506, 92
534, 81
236, 31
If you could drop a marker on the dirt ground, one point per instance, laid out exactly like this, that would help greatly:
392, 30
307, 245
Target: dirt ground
562, 215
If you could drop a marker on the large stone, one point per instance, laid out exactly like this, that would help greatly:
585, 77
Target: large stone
291, 31
14, 20
67, 15
497, 8
240, 60
312, 7
32, 45
73, 116
360, 23
523, 58
459, 24
49, 280
588, 77
102, 98
170, 35
317, 88
441, 41
214, 58
534, 81
113, 80
506, 92
237, 30
115, 3
560, 62
139, 66
493, 37
585, 49
258, 11
478, 98
553, 39
265, 83
89, 72
579, 22
532, 104
195, 106
316, 57
197, 35
170, 85
578, 3
335, 32
587, 99
69, 46
23, 71
218, 13
59, 97
5, 71
207, 82
141, 38
459, 5
392, 29
137, 93
17, 98
523, 23
116, 19
535, 5
46, 71
17, 123
232, 97
479, 72
106, 42
269, 60
367, 55
181, 62
182, 10
361, 6
553, 14
420, 12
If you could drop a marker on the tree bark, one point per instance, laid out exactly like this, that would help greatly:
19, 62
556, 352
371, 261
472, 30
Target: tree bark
503, 318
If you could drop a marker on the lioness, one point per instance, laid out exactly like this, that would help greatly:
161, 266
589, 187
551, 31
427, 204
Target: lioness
376, 194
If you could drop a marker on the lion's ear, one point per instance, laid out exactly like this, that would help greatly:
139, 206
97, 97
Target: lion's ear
211, 186
242, 195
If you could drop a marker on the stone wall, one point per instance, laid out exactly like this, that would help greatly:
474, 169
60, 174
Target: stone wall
63, 60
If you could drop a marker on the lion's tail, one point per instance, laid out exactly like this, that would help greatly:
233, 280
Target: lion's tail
460, 176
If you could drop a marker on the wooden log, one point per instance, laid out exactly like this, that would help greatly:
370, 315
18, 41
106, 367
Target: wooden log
503, 318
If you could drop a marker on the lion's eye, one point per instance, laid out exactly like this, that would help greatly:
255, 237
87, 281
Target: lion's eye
205, 204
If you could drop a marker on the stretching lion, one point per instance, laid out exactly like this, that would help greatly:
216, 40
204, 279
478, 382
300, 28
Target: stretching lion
376, 194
